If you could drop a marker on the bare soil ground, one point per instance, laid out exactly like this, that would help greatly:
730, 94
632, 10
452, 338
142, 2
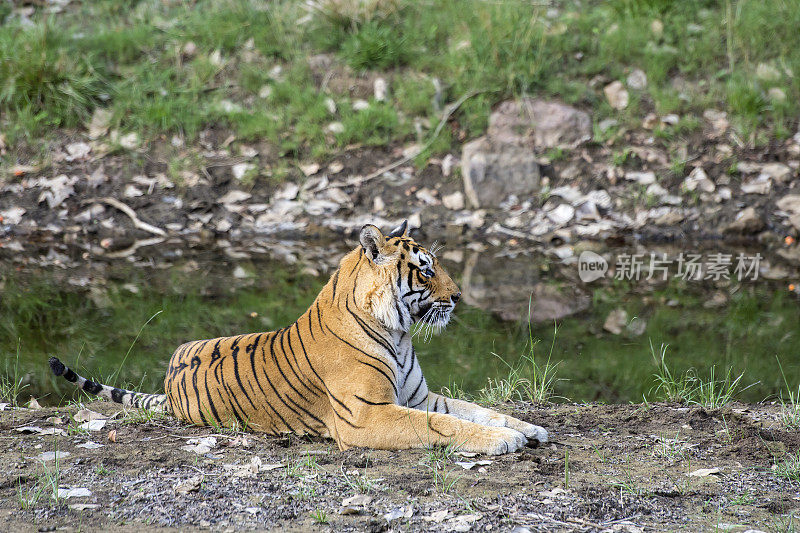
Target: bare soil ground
608, 467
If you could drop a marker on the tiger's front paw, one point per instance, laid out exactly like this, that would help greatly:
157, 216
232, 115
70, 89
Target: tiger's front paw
503, 440
534, 432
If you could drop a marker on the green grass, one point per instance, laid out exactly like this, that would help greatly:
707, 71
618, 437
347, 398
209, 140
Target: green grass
133, 60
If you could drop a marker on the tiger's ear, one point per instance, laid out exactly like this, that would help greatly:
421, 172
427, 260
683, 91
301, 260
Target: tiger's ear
373, 242
400, 231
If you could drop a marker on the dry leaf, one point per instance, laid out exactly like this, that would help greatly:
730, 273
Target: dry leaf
112, 435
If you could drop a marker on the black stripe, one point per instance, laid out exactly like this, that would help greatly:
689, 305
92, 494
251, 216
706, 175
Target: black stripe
371, 333
117, 394
296, 362
421, 379
394, 387
69, 375
335, 280
92, 386
372, 403
378, 359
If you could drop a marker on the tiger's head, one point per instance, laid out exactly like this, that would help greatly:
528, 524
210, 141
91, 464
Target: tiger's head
409, 284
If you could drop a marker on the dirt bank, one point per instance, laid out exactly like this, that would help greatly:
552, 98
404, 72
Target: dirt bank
609, 467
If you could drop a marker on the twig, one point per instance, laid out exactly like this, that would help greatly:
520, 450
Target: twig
139, 223
448, 112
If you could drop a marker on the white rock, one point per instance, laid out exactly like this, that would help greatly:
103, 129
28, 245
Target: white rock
189, 485
240, 169
90, 445
789, 203
644, 178
380, 89
200, 445
335, 167
616, 321
670, 119
776, 94
572, 195
777, 171
335, 127
637, 80
49, 456
234, 197
129, 141
698, 179
288, 192
616, 95
131, 191
93, 425
358, 499
12, 215
766, 72
360, 105
654, 189
601, 198
454, 201
265, 91
310, 169
704, 472
426, 196
78, 492
587, 211
98, 126
561, 214
447, 165
87, 415
761, 184
378, 205
723, 194
77, 150
330, 105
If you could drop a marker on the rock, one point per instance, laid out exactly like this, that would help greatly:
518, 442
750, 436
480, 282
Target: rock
190, 485
777, 171
380, 89
358, 499
718, 120
129, 141
492, 172
723, 195
698, 179
360, 105
77, 492
90, 445
234, 197
637, 80
335, 127
98, 126
657, 27
132, 191
747, 221
539, 124
761, 184
656, 190
335, 167
643, 178
616, 321
83, 506
671, 119
789, 203
587, 211
447, 165
265, 91
794, 220
704, 472
601, 198
570, 194
12, 215
240, 170
49, 456
650, 121
776, 94
669, 218
87, 415
93, 425
453, 201
310, 169
79, 150
200, 445
287, 192
616, 95
57, 190
607, 123
766, 72
561, 214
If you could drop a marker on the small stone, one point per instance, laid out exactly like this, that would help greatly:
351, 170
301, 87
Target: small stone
698, 179
335, 127
650, 121
671, 119
189, 49
723, 194
747, 221
330, 105
190, 485
131, 191
657, 27
644, 178
561, 214
380, 89
265, 91
87, 415
704, 472
637, 80
129, 141
335, 167
761, 184
776, 94
454, 201
656, 190
789, 203
360, 105
616, 321
378, 205
718, 121
358, 499
766, 72
233, 197
98, 126
777, 171
616, 95
78, 492
240, 170
33, 404
447, 165
93, 425
49, 456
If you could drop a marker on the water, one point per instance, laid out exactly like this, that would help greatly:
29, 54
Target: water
119, 321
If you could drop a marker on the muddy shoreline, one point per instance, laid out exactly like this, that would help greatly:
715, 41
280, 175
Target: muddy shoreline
608, 467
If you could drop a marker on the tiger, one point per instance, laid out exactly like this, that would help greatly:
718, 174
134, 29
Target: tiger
346, 369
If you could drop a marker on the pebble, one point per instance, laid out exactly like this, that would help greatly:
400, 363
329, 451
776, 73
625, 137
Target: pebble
616, 95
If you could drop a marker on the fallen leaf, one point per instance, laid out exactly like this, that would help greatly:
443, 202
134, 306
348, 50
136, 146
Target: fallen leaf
112, 435
87, 415
200, 445
33, 404
29, 429
437, 517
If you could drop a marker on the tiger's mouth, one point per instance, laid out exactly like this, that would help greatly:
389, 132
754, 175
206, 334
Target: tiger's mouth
432, 318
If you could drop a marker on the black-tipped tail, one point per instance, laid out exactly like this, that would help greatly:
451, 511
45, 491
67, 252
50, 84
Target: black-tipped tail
57, 366
156, 402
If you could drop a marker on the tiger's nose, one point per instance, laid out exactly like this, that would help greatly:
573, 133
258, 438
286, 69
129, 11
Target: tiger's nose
456, 297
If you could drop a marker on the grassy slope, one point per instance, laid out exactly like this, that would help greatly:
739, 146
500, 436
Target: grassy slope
131, 57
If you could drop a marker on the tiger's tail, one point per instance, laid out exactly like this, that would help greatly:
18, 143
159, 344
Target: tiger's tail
128, 398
